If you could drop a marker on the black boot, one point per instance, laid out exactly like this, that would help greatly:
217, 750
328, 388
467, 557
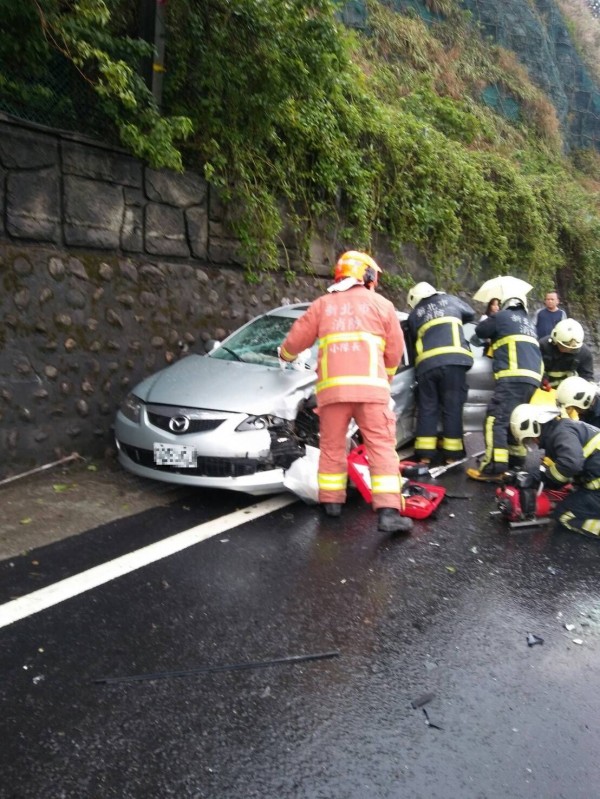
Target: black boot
390, 521
332, 508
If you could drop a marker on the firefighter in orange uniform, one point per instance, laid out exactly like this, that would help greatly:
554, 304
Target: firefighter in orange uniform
360, 346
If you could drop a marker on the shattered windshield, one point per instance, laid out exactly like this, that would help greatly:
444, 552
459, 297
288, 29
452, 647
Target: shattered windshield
257, 342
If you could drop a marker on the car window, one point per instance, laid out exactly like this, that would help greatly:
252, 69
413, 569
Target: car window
256, 342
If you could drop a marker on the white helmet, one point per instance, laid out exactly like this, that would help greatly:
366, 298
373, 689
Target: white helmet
420, 292
576, 392
526, 420
568, 333
513, 302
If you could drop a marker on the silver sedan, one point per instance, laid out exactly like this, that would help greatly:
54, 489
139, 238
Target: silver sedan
234, 419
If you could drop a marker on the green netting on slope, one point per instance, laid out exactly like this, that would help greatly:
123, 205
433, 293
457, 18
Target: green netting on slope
60, 98
501, 102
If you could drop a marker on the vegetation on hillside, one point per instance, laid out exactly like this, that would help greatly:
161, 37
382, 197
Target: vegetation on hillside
381, 132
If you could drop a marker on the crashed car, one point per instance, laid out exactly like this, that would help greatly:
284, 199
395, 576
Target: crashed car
233, 418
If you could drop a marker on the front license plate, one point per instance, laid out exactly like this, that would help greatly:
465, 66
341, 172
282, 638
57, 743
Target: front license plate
178, 455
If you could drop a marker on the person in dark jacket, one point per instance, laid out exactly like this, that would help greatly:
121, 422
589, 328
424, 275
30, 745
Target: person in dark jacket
517, 367
572, 448
442, 359
565, 354
546, 318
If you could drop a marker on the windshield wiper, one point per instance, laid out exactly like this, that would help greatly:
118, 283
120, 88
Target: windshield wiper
232, 352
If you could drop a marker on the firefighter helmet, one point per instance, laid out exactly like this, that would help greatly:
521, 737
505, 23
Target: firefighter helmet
576, 392
568, 333
358, 265
514, 302
420, 292
526, 420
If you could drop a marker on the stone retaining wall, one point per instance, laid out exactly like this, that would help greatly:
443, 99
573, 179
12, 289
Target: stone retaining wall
109, 270
78, 330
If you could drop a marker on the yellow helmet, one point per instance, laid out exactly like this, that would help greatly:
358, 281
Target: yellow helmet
358, 265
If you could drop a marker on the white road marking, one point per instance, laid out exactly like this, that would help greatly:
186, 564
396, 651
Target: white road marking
79, 583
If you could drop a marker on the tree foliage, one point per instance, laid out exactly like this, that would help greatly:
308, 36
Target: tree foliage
302, 123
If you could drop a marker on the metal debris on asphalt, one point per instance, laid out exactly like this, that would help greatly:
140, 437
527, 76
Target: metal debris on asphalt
532, 639
430, 723
161, 675
424, 699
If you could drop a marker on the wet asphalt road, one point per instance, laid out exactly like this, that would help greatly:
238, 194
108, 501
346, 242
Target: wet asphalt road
445, 612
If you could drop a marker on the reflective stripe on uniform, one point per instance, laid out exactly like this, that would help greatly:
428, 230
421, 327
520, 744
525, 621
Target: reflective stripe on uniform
385, 483
332, 482
374, 343
452, 444
353, 380
287, 356
561, 375
591, 526
456, 346
426, 442
557, 475
513, 370
593, 445
500, 455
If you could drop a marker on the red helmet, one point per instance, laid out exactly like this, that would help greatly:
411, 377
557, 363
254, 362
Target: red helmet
358, 265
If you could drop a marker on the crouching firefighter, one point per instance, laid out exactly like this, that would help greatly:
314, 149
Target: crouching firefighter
360, 345
518, 367
572, 450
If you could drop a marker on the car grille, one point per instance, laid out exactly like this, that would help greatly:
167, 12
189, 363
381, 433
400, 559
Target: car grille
206, 467
196, 425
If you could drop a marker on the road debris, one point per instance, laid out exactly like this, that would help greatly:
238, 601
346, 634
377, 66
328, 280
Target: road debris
161, 675
430, 723
72, 457
532, 639
424, 699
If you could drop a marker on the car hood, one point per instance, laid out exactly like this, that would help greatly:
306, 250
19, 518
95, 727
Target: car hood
198, 381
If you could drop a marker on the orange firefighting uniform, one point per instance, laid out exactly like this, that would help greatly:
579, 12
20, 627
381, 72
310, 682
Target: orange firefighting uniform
360, 346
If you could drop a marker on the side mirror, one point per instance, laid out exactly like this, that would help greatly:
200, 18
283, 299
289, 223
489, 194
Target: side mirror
211, 345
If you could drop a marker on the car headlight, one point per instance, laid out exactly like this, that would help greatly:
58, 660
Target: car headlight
260, 423
131, 407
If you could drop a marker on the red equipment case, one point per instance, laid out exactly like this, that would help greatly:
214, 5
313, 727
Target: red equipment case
420, 499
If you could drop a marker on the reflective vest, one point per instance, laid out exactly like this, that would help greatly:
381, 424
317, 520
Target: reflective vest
436, 326
515, 349
360, 345
573, 448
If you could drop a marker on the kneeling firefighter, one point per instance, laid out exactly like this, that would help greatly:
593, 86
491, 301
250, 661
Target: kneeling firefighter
360, 346
572, 448
580, 399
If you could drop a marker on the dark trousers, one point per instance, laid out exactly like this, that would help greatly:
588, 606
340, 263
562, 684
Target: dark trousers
441, 394
499, 441
580, 512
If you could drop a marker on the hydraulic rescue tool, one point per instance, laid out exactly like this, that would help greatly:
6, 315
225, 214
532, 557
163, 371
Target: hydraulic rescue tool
523, 501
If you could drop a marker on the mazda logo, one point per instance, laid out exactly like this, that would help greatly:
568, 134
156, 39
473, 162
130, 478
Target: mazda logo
179, 424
